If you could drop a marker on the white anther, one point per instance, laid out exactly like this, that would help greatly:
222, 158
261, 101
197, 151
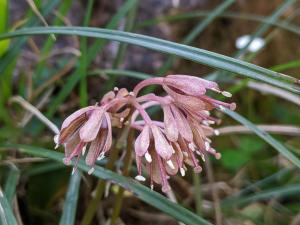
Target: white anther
221, 108
211, 122
152, 186
171, 165
101, 156
122, 119
208, 140
226, 94
148, 157
140, 178
205, 122
207, 145
56, 139
206, 112
73, 170
202, 157
131, 93
198, 152
185, 154
215, 89
182, 171
83, 150
217, 132
191, 146
91, 171
116, 89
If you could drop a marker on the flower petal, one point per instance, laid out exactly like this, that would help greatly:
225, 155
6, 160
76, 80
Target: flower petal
162, 146
96, 147
91, 128
182, 124
142, 142
170, 124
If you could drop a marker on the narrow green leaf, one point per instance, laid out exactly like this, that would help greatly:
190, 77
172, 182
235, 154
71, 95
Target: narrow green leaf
6, 213
265, 136
70, 205
11, 182
140, 191
289, 190
198, 55
231, 15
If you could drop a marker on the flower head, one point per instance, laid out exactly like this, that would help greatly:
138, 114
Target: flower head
163, 148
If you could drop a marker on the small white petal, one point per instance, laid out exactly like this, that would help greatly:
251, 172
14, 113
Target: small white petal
182, 172
91, 171
226, 94
171, 165
140, 178
148, 157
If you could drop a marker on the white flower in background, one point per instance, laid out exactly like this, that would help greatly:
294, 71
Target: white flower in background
256, 44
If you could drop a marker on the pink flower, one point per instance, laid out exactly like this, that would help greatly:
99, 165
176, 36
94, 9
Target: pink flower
164, 148
88, 126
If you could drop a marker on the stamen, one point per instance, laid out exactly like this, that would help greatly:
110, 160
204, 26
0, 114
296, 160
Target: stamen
152, 186
216, 90
191, 146
91, 171
148, 157
207, 145
101, 156
131, 93
83, 150
185, 154
182, 171
171, 165
116, 89
217, 132
122, 119
140, 178
56, 138
226, 94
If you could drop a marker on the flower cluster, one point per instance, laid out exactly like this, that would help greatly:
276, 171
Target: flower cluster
163, 148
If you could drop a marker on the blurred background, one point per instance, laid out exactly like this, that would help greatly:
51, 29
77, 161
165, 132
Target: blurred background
251, 184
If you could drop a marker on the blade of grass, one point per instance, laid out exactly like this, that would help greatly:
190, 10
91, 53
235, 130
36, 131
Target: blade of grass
231, 15
286, 66
70, 205
140, 191
198, 55
278, 192
265, 136
6, 213
83, 92
11, 182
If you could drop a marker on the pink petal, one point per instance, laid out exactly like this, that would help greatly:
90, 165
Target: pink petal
108, 142
182, 124
142, 142
96, 148
191, 85
162, 147
90, 129
189, 102
71, 144
170, 124
75, 115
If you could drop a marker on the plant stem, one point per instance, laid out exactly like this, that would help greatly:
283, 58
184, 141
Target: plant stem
197, 193
126, 171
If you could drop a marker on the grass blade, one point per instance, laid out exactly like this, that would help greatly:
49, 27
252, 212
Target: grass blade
198, 55
265, 136
140, 191
70, 206
11, 182
6, 213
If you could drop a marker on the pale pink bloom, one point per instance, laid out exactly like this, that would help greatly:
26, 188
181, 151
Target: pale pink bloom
90, 128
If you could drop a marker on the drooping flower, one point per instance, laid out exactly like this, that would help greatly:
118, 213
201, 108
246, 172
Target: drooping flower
89, 127
162, 148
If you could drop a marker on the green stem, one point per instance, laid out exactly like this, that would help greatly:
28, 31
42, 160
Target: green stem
197, 193
126, 171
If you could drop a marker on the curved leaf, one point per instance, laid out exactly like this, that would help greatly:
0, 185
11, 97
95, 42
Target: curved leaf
140, 191
198, 55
